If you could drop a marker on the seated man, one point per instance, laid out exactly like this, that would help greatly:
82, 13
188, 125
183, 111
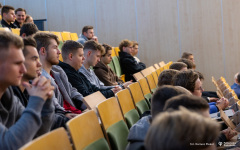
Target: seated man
20, 17
135, 51
190, 80
28, 29
183, 130
236, 85
188, 56
8, 16
19, 125
33, 66
166, 77
28, 19
194, 104
190, 64
65, 94
92, 53
105, 73
128, 63
87, 34
73, 57
178, 66
139, 130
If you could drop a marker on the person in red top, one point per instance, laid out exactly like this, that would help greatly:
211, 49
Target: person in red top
65, 94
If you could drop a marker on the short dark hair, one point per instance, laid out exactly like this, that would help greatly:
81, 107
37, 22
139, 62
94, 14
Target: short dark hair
92, 45
187, 62
186, 55
86, 28
124, 43
177, 65
200, 75
29, 41
42, 39
238, 78
28, 29
189, 101
70, 46
20, 9
178, 129
6, 8
186, 79
107, 48
166, 77
6, 40
162, 94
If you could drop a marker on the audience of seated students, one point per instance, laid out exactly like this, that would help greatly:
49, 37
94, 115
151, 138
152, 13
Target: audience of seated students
92, 53
128, 64
178, 66
8, 16
73, 57
135, 51
183, 130
87, 34
19, 125
20, 14
139, 130
166, 77
190, 80
236, 85
193, 104
33, 70
28, 29
105, 73
190, 64
65, 94
28, 19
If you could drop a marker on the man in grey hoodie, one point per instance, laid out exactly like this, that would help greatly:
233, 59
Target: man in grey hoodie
36, 118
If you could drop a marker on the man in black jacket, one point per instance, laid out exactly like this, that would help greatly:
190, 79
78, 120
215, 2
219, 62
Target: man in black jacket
73, 57
128, 64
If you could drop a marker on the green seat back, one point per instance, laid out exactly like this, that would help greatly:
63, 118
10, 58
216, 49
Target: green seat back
117, 134
60, 45
142, 106
111, 65
148, 97
100, 144
153, 90
131, 117
117, 66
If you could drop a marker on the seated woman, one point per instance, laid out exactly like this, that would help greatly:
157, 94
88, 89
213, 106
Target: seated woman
105, 73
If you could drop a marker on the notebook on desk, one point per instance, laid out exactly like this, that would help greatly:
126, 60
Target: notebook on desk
229, 113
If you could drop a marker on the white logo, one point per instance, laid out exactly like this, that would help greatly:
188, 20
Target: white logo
220, 143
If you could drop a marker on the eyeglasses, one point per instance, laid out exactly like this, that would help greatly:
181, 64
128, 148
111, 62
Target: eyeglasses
200, 88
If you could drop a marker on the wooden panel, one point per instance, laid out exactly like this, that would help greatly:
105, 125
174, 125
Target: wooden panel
201, 34
158, 31
116, 21
35, 8
109, 112
56, 139
85, 129
125, 100
92, 100
231, 25
70, 15
136, 92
